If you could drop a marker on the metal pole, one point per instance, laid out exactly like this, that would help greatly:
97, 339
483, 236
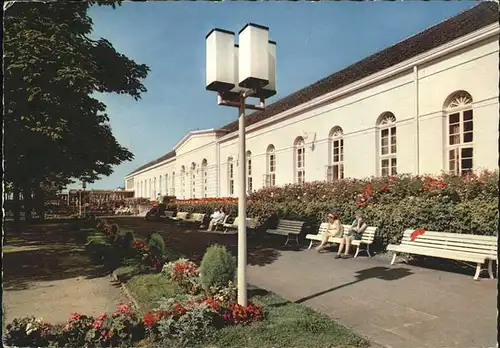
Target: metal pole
242, 208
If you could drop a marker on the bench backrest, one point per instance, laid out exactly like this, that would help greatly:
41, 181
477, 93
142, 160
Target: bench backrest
197, 217
290, 226
169, 213
470, 243
367, 236
182, 215
251, 222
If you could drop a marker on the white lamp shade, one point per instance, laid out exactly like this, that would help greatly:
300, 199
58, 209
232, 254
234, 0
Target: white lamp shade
219, 60
253, 62
234, 94
270, 89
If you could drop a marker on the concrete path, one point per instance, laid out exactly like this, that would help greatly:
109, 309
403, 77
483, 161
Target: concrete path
397, 306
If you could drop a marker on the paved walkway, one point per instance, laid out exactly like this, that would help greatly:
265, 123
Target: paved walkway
397, 306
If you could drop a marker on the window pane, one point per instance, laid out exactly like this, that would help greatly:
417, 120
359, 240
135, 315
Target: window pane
385, 171
385, 133
454, 139
385, 150
467, 115
454, 128
341, 171
335, 143
466, 164
468, 137
393, 131
385, 163
393, 162
335, 172
385, 142
335, 158
336, 150
454, 118
393, 148
468, 126
467, 152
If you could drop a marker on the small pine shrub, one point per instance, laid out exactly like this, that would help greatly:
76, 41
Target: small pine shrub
218, 267
156, 244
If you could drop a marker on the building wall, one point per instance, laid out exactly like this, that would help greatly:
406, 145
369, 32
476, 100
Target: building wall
416, 97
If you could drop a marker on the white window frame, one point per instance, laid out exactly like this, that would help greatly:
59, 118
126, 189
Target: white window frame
271, 166
230, 176
460, 105
167, 190
193, 180
173, 183
388, 162
160, 186
300, 161
183, 182
204, 177
336, 161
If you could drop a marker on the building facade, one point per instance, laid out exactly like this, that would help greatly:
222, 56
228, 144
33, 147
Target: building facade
423, 106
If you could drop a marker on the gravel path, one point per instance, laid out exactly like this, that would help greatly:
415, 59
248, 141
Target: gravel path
48, 274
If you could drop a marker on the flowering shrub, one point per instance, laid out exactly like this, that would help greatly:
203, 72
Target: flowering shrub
462, 204
185, 274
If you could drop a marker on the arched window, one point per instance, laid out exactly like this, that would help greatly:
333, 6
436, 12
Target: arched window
167, 191
141, 188
160, 186
387, 148
173, 183
183, 182
193, 180
459, 116
230, 175
336, 160
249, 172
300, 160
154, 187
204, 176
150, 191
270, 179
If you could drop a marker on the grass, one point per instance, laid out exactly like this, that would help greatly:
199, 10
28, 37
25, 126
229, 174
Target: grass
287, 324
148, 289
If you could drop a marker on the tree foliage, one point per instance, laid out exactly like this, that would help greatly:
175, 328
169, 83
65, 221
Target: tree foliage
55, 127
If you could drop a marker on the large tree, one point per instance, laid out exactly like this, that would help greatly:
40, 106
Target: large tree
55, 128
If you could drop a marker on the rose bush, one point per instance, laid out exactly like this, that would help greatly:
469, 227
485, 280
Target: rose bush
462, 204
184, 273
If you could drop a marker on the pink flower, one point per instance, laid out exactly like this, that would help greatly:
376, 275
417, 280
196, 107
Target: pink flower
102, 316
75, 316
123, 308
97, 324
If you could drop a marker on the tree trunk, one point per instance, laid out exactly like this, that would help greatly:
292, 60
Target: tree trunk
28, 203
16, 205
40, 201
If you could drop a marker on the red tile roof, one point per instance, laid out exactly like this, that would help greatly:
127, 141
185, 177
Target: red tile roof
464, 23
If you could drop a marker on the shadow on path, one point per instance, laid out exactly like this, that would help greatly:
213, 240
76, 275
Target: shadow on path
45, 253
383, 273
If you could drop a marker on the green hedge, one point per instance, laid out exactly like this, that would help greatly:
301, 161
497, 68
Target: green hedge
445, 203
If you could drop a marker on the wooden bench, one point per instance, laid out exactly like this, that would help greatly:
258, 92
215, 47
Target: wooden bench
367, 237
455, 246
288, 228
180, 216
251, 223
195, 218
169, 214
222, 223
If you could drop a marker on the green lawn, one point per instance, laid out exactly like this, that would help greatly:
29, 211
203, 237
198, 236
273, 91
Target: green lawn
287, 324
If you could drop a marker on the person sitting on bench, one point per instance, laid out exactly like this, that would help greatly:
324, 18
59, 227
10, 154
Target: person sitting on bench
334, 230
355, 232
217, 217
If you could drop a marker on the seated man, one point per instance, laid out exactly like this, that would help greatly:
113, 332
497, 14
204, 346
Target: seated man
216, 218
355, 232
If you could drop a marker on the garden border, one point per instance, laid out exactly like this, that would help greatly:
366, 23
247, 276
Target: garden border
126, 291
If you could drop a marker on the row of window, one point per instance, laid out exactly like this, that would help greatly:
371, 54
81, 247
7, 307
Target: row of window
459, 120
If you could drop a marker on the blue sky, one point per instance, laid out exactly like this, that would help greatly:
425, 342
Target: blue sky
314, 40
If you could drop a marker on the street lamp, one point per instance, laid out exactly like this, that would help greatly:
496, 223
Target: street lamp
237, 72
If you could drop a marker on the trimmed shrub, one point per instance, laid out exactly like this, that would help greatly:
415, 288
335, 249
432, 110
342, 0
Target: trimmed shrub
217, 268
461, 204
156, 244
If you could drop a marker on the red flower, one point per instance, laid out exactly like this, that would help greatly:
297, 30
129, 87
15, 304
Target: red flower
75, 316
97, 324
149, 319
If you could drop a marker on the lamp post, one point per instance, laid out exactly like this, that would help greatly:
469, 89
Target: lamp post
237, 72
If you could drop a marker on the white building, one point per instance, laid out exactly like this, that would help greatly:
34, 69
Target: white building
425, 105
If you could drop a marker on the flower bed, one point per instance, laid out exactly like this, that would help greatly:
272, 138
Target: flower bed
466, 204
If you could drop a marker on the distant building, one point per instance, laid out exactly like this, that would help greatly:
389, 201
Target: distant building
95, 197
425, 105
